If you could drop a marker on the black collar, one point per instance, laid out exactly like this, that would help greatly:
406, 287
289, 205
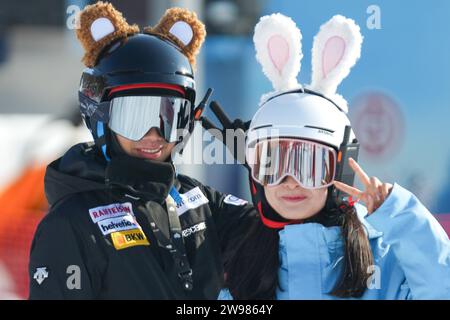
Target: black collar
141, 177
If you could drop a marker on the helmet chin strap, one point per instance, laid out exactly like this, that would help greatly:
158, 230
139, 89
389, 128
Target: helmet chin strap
327, 216
106, 141
100, 133
268, 215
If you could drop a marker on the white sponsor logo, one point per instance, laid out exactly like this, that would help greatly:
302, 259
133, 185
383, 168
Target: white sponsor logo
198, 227
235, 201
190, 200
127, 222
40, 275
110, 211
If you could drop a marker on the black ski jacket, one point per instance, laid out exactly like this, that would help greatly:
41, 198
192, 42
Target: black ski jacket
97, 241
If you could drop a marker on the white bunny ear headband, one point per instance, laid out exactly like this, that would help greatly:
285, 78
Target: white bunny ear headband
335, 51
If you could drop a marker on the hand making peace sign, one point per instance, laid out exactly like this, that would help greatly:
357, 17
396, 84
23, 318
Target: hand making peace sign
376, 191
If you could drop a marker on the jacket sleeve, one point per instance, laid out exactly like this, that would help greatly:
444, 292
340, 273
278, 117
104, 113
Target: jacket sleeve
57, 268
418, 241
232, 216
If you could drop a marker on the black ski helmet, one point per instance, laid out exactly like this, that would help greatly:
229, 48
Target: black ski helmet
126, 61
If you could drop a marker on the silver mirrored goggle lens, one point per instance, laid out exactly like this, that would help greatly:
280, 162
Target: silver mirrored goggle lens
133, 116
313, 165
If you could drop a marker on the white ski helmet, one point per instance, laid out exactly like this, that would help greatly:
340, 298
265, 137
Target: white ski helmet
314, 112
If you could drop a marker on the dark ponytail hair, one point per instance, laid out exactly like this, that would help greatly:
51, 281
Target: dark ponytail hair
252, 262
357, 255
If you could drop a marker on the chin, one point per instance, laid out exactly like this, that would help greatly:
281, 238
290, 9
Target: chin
293, 213
296, 216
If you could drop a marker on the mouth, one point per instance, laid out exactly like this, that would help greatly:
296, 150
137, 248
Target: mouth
293, 199
150, 153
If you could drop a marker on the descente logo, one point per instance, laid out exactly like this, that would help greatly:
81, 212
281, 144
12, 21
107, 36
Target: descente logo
194, 229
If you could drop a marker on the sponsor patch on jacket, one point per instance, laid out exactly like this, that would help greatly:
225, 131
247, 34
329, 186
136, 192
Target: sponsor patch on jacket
194, 229
111, 225
235, 201
130, 238
190, 200
110, 211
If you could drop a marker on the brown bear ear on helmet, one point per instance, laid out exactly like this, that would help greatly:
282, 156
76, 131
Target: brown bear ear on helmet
182, 27
100, 25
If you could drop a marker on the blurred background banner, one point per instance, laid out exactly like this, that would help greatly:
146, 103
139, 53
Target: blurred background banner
399, 96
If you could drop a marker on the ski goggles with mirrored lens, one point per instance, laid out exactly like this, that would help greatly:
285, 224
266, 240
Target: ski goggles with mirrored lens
133, 116
311, 164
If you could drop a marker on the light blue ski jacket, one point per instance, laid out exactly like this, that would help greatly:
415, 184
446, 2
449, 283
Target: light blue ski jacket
411, 254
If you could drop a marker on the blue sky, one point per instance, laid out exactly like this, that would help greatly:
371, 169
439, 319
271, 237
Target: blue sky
408, 59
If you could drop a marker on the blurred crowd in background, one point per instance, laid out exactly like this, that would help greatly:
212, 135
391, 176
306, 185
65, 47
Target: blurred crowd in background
399, 95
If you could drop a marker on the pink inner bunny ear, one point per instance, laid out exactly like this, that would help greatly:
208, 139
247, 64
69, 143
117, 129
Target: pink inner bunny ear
278, 51
332, 54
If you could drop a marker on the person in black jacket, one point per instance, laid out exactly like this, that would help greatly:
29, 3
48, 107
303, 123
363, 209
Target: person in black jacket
122, 223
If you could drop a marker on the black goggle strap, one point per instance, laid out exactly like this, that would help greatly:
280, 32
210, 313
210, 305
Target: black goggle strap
94, 110
98, 117
98, 114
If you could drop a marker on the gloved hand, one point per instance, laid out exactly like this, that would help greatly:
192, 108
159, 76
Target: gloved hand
232, 134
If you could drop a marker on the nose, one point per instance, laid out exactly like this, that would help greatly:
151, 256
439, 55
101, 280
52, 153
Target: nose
153, 134
290, 183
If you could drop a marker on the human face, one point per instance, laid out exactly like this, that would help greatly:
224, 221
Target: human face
291, 201
152, 146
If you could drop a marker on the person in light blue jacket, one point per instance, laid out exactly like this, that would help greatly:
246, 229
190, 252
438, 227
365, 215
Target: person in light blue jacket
310, 241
